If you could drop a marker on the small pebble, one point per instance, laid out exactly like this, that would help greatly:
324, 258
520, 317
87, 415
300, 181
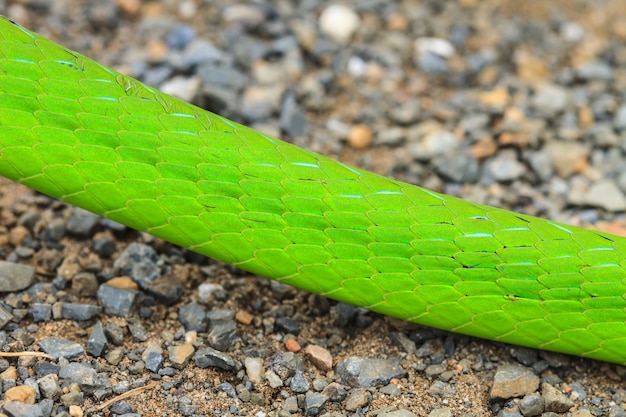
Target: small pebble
359, 372
254, 369
97, 343
244, 317
320, 357
292, 345
339, 22
554, 400
61, 348
358, 398
180, 355
513, 381
209, 357
23, 393
15, 277
360, 137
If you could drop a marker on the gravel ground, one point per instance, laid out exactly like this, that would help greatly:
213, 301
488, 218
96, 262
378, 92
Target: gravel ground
508, 103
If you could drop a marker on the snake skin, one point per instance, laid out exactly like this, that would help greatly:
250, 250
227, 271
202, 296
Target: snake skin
81, 132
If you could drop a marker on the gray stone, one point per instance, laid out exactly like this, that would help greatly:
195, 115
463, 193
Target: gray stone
549, 99
299, 383
509, 413
525, 356
15, 277
335, 392
5, 318
286, 364
197, 53
86, 377
82, 222
259, 102
428, 140
513, 381
459, 167
80, 312
49, 387
24, 253
97, 343
140, 262
55, 231
407, 113
435, 369
391, 390
228, 389
104, 247
541, 165
61, 348
46, 406
186, 407
531, 405
209, 357
120, 408
607, 195
555, 401
319, 384
595, 71
619, 121
29, 220
137, 331
20, 409
505, 167
40, 312
273, 380
115, 356
359, 372
291, 404
153, 357
287, 325
292, 119
222, 333
218, 75
193, 317
357, 399
114, 333
314, 403
117, 301
85, 284
167, 290
578, 392
73, 398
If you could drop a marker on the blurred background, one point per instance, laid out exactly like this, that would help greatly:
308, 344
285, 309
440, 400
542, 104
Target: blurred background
516, 104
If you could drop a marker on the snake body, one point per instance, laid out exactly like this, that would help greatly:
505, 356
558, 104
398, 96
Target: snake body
78, 131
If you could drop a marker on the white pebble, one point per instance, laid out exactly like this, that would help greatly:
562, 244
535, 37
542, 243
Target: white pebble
339, 22
205, 291
254, 369
436, 46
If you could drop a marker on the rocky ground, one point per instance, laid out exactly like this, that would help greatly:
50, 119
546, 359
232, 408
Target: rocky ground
514, 104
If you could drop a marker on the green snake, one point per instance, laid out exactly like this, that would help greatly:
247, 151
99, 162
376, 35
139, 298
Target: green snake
83, 133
